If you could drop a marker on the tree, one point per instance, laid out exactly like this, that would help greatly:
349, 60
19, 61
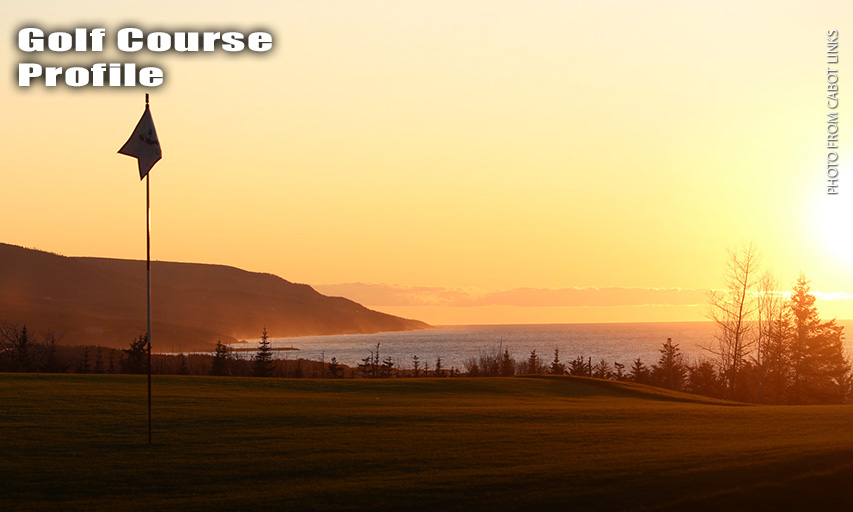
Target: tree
507, 364
84, 366
416, 366
221, 360
619, 372
578, 366
17, 344
335, 369
136, 360
472, 367
557, 368
602, 370
772, 358
670, 371
639, 372
50, 363
388, 367
702, 380
733, 310
262, 364
820, 369
533, 364
99, 361
439, 369
183, 369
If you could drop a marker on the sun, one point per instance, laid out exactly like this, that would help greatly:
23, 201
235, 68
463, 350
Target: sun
833, 214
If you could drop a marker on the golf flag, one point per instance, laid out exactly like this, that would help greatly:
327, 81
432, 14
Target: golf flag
143, 144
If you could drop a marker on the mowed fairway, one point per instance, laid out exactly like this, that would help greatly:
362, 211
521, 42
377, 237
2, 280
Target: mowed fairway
80, 442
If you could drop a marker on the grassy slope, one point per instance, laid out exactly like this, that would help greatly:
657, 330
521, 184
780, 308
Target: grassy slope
499, 444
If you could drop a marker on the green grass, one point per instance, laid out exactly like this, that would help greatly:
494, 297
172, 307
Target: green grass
80, 442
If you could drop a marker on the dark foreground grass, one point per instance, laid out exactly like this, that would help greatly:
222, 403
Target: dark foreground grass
79, 442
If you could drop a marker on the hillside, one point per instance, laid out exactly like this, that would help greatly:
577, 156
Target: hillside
102, 301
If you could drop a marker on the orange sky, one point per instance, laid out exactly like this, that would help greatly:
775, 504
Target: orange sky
452, 153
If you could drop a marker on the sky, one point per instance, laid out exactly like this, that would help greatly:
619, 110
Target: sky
466, 162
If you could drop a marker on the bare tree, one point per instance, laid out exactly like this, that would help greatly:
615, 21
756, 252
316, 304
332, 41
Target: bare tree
769, 348
733, 309
16, 344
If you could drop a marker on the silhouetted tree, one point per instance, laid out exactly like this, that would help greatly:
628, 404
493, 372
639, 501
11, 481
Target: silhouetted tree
369, 366
16, 343
136, 360
639, 373
84, 366
821, 371
439, 370
472, 367
262, 364
557, 368
702, 379
577, 366
602, 370
386, 368
533, 363
221, 360
416, 366
734, 310
670, 371
99, 361
619, 372
507, 364
335, 369
50, 363
183, 369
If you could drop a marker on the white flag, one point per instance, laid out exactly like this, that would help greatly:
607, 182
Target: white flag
143, 144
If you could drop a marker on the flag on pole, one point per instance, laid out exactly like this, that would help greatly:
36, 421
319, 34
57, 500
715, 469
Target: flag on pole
143, 144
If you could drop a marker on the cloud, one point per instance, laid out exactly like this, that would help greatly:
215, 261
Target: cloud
396, 295
586, 297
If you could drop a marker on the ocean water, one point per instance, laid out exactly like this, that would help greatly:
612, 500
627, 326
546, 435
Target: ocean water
622, 342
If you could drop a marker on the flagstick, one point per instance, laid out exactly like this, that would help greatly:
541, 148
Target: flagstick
148, 259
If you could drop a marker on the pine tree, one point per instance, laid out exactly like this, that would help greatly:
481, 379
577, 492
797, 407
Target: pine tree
84, 366
702, 379
507, 365
99, 362
557, 368
387, 367
221, 359
820, 369
416, 366
602, 370
639, 372
262, 364
577, 366
335, 368
137, 356
533, 363
670, 371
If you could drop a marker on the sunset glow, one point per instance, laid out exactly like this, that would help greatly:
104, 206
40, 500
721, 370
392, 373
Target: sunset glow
487, 146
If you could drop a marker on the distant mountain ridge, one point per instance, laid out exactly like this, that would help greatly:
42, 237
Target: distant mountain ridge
103, 301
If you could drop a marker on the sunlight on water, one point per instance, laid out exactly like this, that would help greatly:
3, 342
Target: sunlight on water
454, 344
